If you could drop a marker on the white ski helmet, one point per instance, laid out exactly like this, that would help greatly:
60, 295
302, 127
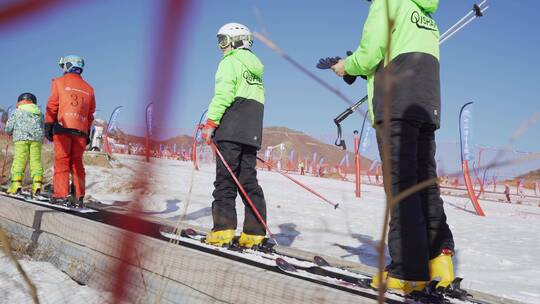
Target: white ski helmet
71, 61
236, 35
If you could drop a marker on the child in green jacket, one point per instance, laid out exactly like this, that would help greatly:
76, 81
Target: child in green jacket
235, 120
26, 126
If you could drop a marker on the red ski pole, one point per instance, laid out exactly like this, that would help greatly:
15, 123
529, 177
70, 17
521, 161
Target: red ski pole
244, 192
299, 183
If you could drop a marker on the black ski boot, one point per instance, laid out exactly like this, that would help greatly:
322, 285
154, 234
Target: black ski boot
455, 291
76, 202
60, 201
79, 203
428, 295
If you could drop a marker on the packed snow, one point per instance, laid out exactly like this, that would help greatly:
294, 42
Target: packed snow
53, 286
497, 254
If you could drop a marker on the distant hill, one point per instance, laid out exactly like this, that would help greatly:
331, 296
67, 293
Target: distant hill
180, 140
533, 175
302, 144
305, 145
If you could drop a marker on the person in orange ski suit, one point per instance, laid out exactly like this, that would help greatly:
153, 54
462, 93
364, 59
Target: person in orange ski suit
68, 119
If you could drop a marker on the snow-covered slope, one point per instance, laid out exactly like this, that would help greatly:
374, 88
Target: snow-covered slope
497, 254
53, 286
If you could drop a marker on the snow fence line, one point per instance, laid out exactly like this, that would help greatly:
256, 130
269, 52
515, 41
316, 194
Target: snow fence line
88, 251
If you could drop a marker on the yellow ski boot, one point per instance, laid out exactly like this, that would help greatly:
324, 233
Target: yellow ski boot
441, 268
250, 240
16, 186
397, 285
36, 185
220, 238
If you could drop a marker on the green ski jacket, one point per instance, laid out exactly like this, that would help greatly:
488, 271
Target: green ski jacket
238, 102
410, 54
26, 123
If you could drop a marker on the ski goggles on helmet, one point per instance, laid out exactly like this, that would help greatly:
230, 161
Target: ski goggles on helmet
71, 61
223, 41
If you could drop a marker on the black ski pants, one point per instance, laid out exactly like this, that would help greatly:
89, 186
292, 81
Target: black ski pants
418, 229
242, 160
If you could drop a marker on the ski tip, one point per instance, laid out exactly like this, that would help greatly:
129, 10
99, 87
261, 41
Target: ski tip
320, 261
284, 265
336, 206
188, 232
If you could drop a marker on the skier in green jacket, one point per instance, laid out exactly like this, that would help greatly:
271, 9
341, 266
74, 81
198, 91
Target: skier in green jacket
235, 115
26, 126
420, 242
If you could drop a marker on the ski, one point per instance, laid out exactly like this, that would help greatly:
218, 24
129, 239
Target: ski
262, 256
317, 270
456, 293
452, 294
360, 286
267, 252
194, 239
343, 274
321, 270
44, 201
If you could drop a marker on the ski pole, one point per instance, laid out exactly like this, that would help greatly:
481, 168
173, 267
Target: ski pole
237, 182
280, 52
450, 29
478, 12
148, 119
299, 183
194, 147
199, 126
341, 117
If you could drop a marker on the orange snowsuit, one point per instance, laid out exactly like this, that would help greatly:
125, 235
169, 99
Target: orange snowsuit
71, 105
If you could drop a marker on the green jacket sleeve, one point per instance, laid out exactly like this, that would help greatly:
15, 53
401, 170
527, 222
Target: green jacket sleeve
372, 48
225, 90
11, 123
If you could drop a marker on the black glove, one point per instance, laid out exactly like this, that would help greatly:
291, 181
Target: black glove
88, 139
328, 62
49, 131
348, 78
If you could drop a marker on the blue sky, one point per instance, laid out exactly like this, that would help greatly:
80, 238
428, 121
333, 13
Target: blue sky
492, 61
